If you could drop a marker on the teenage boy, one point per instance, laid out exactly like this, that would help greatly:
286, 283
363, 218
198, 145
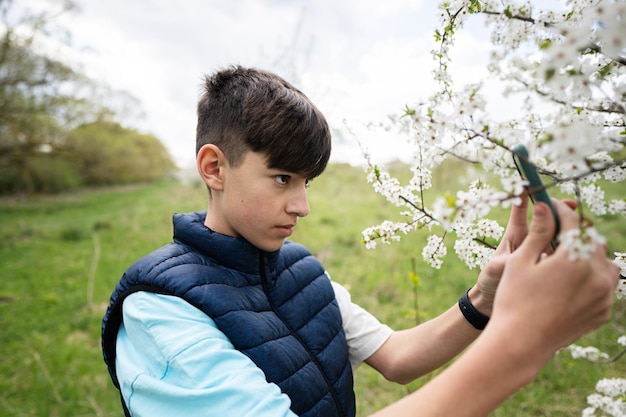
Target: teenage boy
232, 319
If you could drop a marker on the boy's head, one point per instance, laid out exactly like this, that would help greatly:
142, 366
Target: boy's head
247, 109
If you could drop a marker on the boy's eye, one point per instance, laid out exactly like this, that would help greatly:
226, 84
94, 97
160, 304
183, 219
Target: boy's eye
282, 179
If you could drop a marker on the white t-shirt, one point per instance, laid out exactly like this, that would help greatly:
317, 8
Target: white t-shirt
364, 333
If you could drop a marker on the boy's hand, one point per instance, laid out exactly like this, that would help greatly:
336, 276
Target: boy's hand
483, 293
553, 300
516, 231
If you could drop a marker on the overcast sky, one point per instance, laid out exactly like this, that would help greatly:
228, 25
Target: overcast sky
357, 60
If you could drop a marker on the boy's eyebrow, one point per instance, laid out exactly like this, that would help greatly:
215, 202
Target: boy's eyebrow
283, 170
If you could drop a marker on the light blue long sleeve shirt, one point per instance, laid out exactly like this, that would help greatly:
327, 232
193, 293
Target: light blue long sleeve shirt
172, 360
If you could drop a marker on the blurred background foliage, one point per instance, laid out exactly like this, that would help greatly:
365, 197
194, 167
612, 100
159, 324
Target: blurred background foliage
58, 128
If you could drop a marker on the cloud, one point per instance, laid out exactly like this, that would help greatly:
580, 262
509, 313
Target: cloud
356, 60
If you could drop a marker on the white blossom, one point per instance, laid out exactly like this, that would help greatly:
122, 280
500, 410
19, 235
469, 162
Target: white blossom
594, 198
434, 251
615, 174
581, 243
608, 398
586, 352
620, 291
620, 261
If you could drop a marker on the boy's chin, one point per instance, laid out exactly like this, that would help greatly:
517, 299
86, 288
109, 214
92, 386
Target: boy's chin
271, 246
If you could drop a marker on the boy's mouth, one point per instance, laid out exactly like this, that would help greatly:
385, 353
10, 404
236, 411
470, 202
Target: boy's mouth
286, 230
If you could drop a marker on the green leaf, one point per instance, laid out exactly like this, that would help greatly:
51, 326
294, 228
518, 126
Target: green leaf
545, 44
605, 70
546, 138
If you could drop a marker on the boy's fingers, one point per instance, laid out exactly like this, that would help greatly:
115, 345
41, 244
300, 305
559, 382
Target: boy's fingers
571, 204
519, 213
568, 218
516, 228
540, 234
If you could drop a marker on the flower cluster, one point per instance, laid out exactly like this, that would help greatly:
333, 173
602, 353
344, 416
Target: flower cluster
608, 399
569, 67
469, 246
590, 353
434, 251
581, 243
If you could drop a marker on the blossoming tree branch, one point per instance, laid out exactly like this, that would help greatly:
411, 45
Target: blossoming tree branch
567, 69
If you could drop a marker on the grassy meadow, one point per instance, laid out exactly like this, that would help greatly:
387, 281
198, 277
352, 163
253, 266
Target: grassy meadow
60, 257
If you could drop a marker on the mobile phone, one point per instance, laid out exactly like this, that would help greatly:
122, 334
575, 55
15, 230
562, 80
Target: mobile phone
536, 189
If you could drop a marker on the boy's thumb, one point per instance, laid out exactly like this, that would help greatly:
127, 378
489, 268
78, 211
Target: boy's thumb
541, 231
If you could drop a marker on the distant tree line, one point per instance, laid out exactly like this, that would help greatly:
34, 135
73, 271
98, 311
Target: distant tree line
58, 128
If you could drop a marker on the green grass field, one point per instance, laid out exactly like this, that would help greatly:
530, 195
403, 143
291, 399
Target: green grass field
61, 256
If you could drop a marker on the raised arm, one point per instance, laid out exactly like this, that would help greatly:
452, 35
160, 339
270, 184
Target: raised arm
409, 354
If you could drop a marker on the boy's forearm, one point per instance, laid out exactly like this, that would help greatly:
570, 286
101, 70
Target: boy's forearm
467, 388
412, 353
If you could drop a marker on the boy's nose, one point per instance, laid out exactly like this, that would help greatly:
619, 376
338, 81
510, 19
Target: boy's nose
299, 204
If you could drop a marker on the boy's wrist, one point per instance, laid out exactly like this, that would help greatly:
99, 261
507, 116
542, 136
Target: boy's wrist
471, 313
480, 302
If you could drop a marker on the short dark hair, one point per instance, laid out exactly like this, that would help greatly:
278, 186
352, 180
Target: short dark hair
248, 109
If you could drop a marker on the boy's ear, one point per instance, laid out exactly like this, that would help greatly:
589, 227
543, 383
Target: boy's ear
210, 162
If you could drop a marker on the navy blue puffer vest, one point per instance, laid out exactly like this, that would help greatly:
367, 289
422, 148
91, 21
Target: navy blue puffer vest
278, 308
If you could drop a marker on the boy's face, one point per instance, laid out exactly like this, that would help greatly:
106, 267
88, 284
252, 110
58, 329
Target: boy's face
257, 203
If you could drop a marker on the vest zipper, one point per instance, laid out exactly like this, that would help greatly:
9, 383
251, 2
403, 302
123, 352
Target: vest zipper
266, 289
